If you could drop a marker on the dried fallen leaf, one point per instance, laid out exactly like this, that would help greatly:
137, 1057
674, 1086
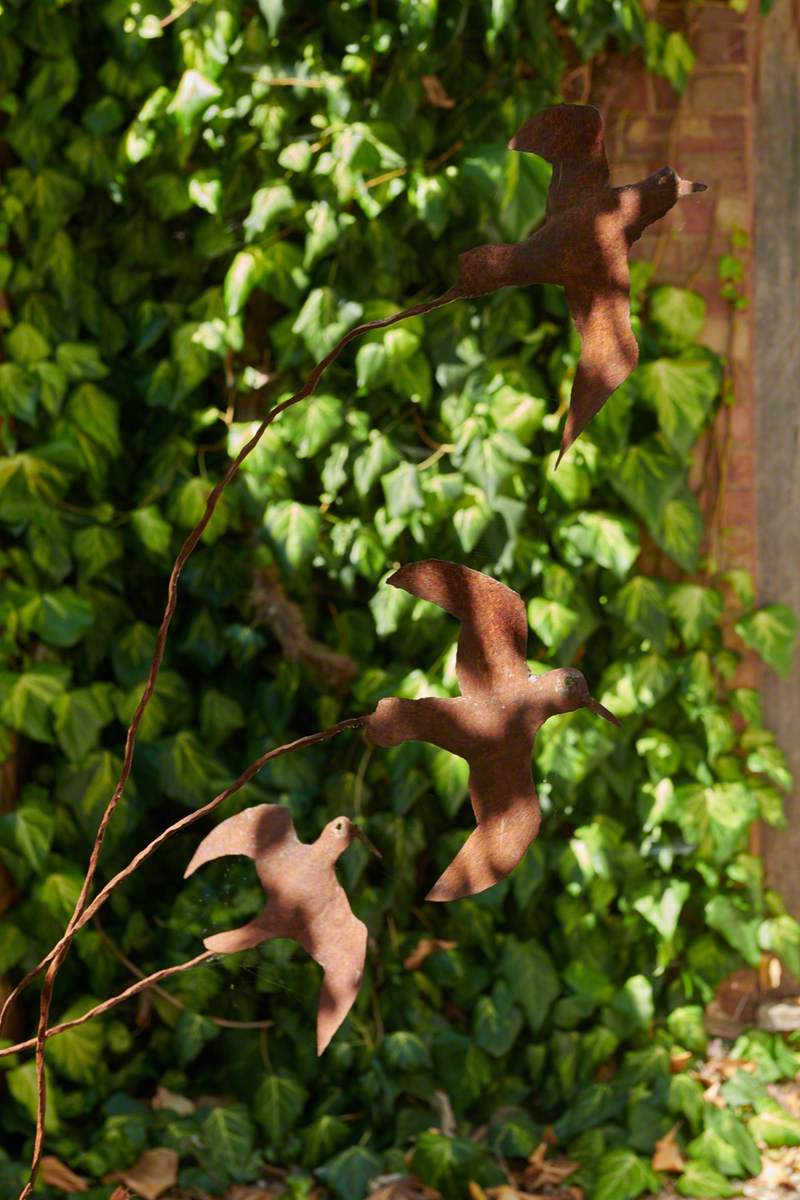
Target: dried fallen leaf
667, 1155
435, 93
679, 1060
423, 948
155, 1171
57, 1175
120, 1193
542, 1172
164, 1098
401, 1187
476, 1192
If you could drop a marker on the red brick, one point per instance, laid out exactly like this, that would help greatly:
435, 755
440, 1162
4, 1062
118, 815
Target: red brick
720, 47
718, 90
645, 132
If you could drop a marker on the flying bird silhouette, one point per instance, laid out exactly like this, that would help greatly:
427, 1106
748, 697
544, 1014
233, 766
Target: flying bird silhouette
583, 245
492, 724
305, 900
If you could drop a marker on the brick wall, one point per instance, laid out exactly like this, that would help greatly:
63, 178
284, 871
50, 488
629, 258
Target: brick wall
735, 128
706, 134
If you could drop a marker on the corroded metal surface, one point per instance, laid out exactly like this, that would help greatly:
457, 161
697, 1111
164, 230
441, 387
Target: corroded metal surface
582, 245
305, 900
492, 723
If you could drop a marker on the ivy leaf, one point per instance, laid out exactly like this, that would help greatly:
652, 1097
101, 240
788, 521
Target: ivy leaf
497, 1022
29, 699
641, 604
447, 1163
59, 892
722, 914
775, 1126
402, 490
193, 1031
678, 313
405, 1051
186, 772
647, 477
79, 717
694, 609
682, 390
610, 541
680, 530
272, 11
21, 1083
293, 529
771, 631
194, 94
663, 911
533, 982
61, 618
550, 621
77, 1053
622, 1175
450, 775
268, 204
321, 1138
278, 1102
229, 1136
701, 1180
348, 1174
28, 830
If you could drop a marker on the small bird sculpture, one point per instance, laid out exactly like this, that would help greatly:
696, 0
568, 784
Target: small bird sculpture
492, 724
583, 245
305, 900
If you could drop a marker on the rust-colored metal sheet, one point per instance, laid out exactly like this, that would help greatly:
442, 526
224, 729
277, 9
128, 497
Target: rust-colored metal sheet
582, 245
305, 900
492, 724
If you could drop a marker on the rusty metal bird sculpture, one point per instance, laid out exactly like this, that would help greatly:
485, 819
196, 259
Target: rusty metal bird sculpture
583, 245
492, 724
305, 900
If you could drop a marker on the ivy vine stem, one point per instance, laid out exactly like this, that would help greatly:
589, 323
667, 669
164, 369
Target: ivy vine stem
59, 952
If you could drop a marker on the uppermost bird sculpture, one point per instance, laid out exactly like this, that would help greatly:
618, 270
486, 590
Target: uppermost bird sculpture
492, 723
305, 900
583, 245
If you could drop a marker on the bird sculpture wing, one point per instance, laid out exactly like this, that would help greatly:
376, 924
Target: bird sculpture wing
570, 137
340, 949
609, 352
255, 832
263, 830
507, 810
494, 623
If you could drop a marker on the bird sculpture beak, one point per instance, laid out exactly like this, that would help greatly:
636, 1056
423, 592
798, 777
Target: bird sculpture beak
598, 708
362, 837
686, 187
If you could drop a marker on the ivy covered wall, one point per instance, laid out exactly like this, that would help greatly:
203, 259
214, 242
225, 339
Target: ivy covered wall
197, 204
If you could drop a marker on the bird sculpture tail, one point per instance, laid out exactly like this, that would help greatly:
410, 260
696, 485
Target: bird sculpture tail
490, 853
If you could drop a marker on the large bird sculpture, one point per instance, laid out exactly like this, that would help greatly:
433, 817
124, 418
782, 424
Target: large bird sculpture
492, 724
583, 245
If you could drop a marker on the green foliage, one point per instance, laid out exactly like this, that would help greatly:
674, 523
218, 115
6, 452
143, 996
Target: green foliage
185, 237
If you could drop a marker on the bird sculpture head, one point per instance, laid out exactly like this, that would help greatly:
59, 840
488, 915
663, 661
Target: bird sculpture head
340, 833
565, 690
663, 189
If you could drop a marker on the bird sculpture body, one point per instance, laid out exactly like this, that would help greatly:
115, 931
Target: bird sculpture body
305, 900
583, 245
492, 724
